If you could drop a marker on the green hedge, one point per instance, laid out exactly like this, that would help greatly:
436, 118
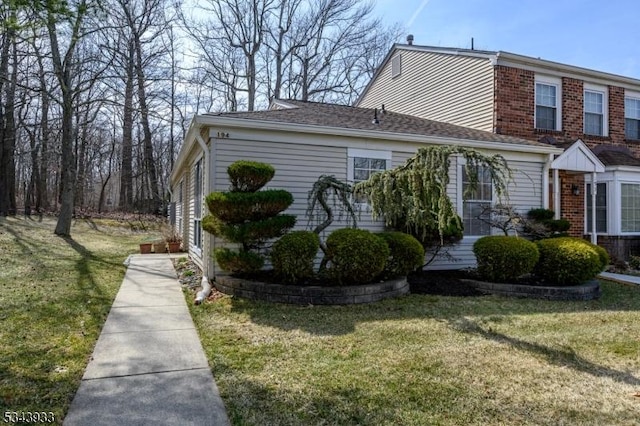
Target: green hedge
249, 176
239, 207
292, 256
502, 258
254, 232
238, 261
569, 261
356, 256
406, 254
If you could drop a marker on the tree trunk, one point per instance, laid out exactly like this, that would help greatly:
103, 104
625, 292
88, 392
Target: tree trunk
8, 132
126, 178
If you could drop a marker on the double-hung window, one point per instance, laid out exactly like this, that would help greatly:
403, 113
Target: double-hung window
197, 205
363, 163
632, 117
630, 207
476, 201
548, 95
601, 208
595, 111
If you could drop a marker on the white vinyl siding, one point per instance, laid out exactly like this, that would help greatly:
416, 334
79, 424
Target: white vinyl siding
443, 87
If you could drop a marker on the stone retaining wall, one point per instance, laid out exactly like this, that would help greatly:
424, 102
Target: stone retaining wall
314, 295
587, 291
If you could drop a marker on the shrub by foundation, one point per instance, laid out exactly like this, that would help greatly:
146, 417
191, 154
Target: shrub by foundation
569, 261
502, 258
292, 256
406, 254
355, 256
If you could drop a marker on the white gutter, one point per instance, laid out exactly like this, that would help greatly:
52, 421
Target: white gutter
545, 181
205, 241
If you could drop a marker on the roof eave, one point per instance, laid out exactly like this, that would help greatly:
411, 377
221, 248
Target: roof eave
374, 134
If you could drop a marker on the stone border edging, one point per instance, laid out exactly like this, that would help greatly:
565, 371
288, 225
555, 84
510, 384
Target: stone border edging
587, 291
314, 295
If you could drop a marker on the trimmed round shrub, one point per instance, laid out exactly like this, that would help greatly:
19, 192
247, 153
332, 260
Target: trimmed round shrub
249, 176
405, 254
237, 262
541, 214
254, 232
502, 258
356, 256
239, 207
292, 256
569, 261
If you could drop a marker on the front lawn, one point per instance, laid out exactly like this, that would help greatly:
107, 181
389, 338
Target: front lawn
55, 295
426, 359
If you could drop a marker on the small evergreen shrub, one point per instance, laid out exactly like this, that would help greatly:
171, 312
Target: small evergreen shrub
540, 215
558, 225
238, 261
292, 256
405, 254
249, 176
255, 232
502, 258
569, 261
239, 207
634, 262
356, 256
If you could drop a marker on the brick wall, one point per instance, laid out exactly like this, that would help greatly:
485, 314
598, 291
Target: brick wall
513, 101
572, 206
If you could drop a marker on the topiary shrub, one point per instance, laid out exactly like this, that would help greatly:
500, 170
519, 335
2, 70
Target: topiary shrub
238, 261
356, 256
247, 217
292, 256
569, 261
503, 258
249, 176
540, 215
405, 254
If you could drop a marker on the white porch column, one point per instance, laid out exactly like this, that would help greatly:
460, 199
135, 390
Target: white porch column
594, 191
556, 193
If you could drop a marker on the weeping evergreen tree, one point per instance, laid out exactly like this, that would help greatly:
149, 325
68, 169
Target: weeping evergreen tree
413, 198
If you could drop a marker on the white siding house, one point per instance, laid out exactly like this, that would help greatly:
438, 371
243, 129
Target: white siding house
303, 141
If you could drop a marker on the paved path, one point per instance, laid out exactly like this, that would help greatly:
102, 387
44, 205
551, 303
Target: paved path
148, 366
621, 278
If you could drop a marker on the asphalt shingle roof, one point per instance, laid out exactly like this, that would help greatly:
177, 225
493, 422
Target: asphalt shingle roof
611, 155
348, 117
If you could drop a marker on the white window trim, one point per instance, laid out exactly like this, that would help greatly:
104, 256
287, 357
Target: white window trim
365, 153
461, 162
550, 81
629, 95
619, 206
194, 248
588, 87
609, 186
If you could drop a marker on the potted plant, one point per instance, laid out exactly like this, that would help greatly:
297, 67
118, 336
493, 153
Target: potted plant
172, 238
145, 247
159, 246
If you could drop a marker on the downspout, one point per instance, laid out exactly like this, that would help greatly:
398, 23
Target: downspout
545, 181
206, 286
205, 242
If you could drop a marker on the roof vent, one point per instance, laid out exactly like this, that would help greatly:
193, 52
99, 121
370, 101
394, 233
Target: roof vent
410, 39
375, 117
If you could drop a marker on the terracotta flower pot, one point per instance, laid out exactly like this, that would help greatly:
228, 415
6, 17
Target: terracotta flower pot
174, 247
145, 248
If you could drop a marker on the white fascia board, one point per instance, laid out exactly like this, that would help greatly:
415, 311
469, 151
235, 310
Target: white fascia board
630, 169
563, 70
372, 134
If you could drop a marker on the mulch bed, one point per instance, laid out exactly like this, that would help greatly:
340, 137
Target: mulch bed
442, 283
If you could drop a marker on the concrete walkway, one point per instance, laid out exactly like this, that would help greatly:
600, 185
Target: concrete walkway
621, 278
148, 366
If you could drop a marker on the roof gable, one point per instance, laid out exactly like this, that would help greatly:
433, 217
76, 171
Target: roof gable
578, 158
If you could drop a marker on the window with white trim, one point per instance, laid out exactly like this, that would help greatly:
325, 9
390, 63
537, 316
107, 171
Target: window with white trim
601, 208
474, 214
548, 99
632, 118
197, 205
595, 111
362, 163
630, 207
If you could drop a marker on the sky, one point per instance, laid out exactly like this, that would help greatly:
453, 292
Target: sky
599, 35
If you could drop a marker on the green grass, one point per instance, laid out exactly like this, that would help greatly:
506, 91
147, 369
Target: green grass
423, 360
55, 294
